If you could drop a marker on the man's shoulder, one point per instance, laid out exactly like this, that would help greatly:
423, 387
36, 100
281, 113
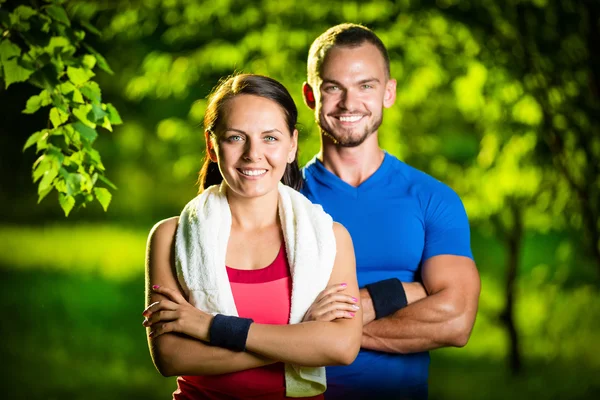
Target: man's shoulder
416, 177
313, 177
309, 168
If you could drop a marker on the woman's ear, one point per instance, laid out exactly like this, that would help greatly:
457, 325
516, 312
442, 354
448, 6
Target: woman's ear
293, 147
210, 146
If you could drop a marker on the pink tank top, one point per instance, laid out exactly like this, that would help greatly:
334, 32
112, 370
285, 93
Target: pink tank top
263, 295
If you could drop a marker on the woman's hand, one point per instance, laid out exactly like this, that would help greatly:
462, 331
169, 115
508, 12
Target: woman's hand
175, 314
331, 304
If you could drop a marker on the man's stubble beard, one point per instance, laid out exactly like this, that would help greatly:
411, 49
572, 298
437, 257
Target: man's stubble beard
348, 140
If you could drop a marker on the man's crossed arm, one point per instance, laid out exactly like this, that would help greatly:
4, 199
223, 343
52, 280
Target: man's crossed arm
440, 313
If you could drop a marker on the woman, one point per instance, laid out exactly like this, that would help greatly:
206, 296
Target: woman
241, 293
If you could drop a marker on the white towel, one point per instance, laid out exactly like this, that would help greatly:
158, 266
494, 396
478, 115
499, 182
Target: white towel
201, 244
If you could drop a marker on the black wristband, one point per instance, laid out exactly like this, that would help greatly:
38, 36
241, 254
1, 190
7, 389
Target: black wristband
388, 296
229, 332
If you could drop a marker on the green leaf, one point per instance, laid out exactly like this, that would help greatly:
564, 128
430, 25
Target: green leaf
109, 183
113, 115
61, 184
82, 112
58, 139
76, 97
34, 138
88, 61
71, 136
86, 182
58, 117
79, 35
8, 50
58, 14
71, 92
95, 158
40, 166
66, 203
73, 182
56, 156
22, 13
79, 75
87, 25
42, 142
46, 77
66, 87
35, 102
87, 133
44, 193
103, 196
46, 181
59, 102
106, 124
91, 90
59, 44
77, 157
13, 72
98, 112
102, 63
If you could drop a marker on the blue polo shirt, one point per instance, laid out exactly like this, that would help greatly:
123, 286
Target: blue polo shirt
398, 218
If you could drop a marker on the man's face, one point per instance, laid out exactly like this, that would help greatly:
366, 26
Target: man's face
350, 95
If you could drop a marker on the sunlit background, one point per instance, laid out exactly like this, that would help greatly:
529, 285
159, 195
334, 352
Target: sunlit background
499, 99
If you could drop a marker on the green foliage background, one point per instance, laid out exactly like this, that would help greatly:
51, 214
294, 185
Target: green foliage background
497, 99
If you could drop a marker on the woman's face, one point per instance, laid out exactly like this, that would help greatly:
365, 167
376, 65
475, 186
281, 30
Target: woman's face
252, 145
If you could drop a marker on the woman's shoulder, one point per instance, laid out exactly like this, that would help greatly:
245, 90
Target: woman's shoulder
165, 229
342, 236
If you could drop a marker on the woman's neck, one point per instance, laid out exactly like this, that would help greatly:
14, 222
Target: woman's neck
255, 213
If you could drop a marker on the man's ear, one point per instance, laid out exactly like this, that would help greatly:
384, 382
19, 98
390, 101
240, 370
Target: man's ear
389, 97
309, 96
210, 147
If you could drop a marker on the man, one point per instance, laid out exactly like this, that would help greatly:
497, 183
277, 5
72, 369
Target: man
406, 226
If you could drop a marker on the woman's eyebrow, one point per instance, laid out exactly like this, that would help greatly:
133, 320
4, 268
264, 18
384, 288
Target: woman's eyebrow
244, 132
272, 131
234, 130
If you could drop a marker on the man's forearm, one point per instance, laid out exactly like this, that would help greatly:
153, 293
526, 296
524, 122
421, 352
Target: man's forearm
438, 320
414, 291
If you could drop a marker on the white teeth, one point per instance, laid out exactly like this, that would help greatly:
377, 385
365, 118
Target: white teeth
352, 118
253, 172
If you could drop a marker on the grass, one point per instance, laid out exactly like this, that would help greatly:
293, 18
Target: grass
90, 250
73, 295
71, 336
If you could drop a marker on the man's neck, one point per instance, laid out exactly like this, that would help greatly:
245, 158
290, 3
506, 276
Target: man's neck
353, 165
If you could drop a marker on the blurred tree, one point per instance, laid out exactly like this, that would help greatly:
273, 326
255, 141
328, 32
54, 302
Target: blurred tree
551, 46
532, 97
